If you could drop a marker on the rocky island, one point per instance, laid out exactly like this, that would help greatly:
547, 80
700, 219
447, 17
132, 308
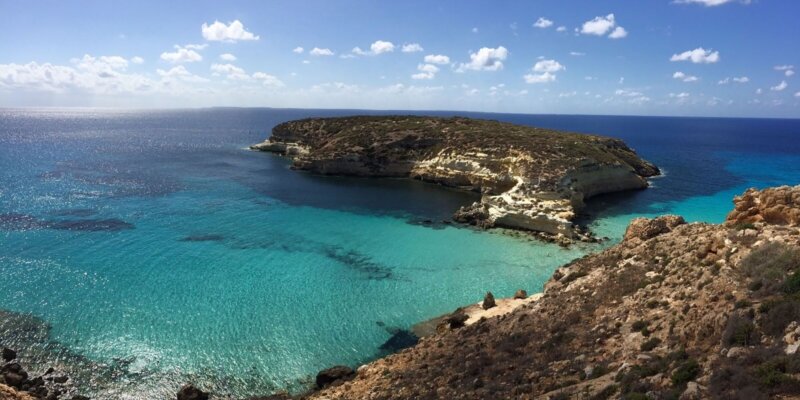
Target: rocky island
530, 178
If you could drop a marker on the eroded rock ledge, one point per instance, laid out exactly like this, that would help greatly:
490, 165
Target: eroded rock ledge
531, 178
675, 311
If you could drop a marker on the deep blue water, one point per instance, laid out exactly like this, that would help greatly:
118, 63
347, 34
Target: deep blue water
154, 237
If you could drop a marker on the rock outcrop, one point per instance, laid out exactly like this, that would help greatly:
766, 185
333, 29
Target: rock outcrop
676, 310
530, 178
778, 206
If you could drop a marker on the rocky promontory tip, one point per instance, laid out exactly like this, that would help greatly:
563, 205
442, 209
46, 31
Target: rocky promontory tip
530, 178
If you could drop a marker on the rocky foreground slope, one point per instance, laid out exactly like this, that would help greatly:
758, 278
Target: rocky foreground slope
675, 311
531, 178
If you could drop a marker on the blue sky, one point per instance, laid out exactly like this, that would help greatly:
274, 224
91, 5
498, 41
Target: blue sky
647, 57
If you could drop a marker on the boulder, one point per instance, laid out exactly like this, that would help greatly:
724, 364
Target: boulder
488, 301
521, 294
645, 228
333, 375
14, 379
776, 206
8, 354
189, 392
457, 319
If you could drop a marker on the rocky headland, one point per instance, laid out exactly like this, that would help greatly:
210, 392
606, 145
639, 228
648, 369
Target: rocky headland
675, 311
530, 178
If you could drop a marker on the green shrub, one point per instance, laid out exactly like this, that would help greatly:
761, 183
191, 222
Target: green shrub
739, 331
686, 372
792, 283
650, 344
770, 264
639, 325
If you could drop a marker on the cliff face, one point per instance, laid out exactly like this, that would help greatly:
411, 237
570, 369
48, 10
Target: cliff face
675, 310
531, 178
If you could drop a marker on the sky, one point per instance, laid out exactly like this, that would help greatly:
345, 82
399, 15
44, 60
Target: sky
618, 57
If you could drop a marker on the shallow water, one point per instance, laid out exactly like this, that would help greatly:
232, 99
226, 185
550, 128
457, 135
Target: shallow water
154, 238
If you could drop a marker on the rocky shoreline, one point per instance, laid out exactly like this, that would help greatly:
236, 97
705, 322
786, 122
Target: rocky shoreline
531, 179
674, 311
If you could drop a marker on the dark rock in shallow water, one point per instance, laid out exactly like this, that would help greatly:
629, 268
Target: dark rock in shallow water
20, 222
521, 294
74, 212
189, 392
332, 375
401, 339
9, 354
92, 225
488, 301
203, 238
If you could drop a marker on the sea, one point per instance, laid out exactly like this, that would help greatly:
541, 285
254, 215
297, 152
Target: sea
144, 249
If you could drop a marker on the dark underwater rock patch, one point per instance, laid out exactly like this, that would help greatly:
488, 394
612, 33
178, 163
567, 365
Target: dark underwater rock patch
360, 262
401, 339
203, 238
20, 222
92, 225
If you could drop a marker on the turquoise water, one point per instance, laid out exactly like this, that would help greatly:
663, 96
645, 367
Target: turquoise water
155, 238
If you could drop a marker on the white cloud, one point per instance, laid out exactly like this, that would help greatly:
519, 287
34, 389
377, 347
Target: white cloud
474, 30
797, 94
561, 29
600, 26
548, 66
437, 59
376, 48
218, 31
486, 59
316, 51
137, 60
543, 23
779, 87
230, 71
227, 57
94, 75
618, 33
697, 56
181, 55
684, 77
103, 64
412, 48
267, 79
788, 70
576, 53
737, 79
544, 72
298, 50
680, 95
381, 46
180, 73
196, 46
711, 3
427, 71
